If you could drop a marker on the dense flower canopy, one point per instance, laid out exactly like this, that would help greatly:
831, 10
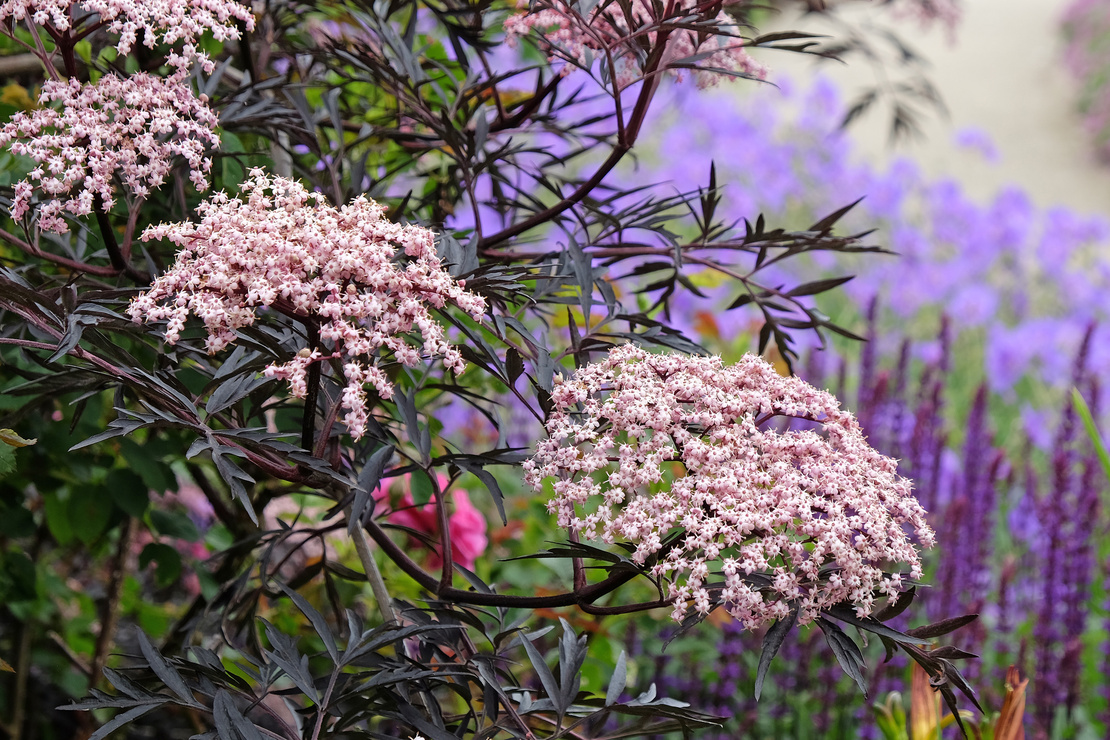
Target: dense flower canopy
803, 517
336, 268
158, 22
606, 29
129, 128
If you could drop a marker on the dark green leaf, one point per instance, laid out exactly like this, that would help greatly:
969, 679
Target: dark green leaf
890, 611
122, 719
617, 682
176, 524
368, 480
230, 722
156, 474
772, 641
539, 665
847, 653
168, 568
165, 672
88, 512
420, 487
943, 627
318, 622
129, 491
818, 286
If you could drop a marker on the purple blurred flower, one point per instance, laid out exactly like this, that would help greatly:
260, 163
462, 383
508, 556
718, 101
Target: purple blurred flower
978, 140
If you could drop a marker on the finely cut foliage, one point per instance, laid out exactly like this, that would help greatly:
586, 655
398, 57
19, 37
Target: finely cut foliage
129, 128
812, 515
336, 270
570, 33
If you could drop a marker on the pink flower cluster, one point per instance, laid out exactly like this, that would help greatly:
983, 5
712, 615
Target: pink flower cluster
644, 446
287, 249
160, 21
568, 34
466, 525
125, 127
947, 13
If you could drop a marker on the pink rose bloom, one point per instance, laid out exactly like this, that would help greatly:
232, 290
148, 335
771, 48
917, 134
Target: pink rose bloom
466, 524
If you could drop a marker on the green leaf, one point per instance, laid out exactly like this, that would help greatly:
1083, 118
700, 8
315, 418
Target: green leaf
209, 586
155, 474
129, 491
16, 521
57, 517
84, 50
231, 172
8, 437
1084, 412
168, 563
88, 511
19, 572
420, 487
174, 524
7, 459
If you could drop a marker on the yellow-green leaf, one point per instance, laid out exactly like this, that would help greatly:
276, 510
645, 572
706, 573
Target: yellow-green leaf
7, 436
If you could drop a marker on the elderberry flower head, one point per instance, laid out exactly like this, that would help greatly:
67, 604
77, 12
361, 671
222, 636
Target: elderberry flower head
607, 29
336, 268
129, 128
672, 454
158, 20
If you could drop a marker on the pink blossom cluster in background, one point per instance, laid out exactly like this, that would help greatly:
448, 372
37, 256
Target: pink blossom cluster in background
466, 525
813, 512
927, 12
125, 127
605, 30
159, 22
288, 249
1086, 28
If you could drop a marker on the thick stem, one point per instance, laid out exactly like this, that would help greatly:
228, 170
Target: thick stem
571, 200
587, 595
448, 568
109, 615
108, 234
246, 58
22, 672
373, 573
308, 422
62, 261
322, 709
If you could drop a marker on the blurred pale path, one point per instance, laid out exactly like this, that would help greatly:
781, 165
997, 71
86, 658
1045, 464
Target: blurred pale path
1004, 75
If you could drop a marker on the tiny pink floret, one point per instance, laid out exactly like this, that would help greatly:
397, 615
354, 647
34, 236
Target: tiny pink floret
813, 515
287, 248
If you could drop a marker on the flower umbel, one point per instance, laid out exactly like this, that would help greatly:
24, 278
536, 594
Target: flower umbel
607, 29
126, 127
159, 22
334, 268
798, 518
